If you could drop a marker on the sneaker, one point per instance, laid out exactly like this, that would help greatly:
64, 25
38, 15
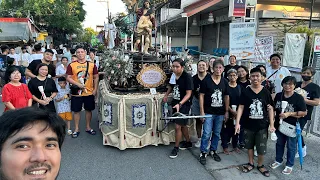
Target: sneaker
174, 153
198, 143
185, 146
203, 159
69, 132
304, 152
215, 156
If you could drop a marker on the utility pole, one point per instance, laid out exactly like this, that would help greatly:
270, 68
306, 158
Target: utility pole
311, 11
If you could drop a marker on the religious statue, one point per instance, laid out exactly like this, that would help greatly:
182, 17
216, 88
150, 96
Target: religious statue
144, 28
130, 3
111, 33
141, 12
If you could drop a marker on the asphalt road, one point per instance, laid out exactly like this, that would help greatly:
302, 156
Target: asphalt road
86, 158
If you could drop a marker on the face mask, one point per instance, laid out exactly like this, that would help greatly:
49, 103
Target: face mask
306, 78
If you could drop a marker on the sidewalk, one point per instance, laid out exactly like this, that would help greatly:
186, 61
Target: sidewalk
227, 168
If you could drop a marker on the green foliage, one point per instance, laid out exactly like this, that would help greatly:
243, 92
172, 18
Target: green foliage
86, 34
123, 23
56, 16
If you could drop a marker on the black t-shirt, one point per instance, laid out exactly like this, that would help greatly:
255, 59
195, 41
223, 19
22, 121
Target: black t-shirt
196, 85
255, 113
4, 61
243, 85
295, 103
227, 68
313, 93
214, 95
234, 94
179, 90
34, 64
49, 87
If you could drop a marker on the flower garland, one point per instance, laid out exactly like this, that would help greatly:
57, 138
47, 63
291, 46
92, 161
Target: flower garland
118, 67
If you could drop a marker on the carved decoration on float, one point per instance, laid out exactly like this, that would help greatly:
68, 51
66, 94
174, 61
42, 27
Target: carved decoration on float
151, 76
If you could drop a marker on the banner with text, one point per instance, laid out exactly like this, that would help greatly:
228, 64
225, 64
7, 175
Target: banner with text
294, 50
242, 40
317, 43
263, 49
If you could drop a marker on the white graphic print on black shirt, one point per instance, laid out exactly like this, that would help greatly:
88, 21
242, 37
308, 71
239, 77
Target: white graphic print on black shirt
256, 111
289, 107
216, 98
176, 92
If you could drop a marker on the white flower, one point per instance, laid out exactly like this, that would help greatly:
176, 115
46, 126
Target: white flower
107, 64
112, 71
115, 83
49, 75
126, 71
126, 58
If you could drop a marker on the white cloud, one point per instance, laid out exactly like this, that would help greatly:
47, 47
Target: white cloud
98, 11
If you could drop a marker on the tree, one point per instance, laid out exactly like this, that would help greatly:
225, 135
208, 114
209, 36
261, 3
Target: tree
58, 17
86, 34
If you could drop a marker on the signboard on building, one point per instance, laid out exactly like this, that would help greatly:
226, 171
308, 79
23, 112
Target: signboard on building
251, 2
239, 8
263, 49
242, 40
294, 49
317, 43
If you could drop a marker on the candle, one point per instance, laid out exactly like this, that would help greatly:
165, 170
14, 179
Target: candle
131, 42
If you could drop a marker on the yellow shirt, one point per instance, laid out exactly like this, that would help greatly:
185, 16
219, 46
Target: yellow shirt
78, 70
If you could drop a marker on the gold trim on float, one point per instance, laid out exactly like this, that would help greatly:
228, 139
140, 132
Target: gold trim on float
151, 67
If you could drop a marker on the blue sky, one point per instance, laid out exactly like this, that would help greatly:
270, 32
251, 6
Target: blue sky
97, 11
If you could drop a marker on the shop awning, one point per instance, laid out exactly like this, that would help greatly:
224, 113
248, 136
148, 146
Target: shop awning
199, 6
15, 31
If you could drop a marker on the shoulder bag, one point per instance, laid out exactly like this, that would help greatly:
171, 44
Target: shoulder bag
74, 89
286, 128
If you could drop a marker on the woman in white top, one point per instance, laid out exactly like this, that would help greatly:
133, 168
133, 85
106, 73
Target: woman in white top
62, 68
276, 73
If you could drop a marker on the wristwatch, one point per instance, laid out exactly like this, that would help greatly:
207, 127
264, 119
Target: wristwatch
180, 104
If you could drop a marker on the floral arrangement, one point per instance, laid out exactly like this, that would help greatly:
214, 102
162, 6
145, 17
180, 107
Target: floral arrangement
187, 58
118, 67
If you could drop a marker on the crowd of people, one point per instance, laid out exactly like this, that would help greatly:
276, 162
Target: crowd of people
240, 107
55, 84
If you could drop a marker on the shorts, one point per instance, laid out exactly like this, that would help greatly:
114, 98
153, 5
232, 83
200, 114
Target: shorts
258, 139
67, 116
184, 109
87, 102
195, 108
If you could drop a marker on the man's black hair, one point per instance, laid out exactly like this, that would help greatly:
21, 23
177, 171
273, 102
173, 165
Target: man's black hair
72, 51
4, 48
49, 51
12, 122
287, 79
80, 47
61, 79
254, 70
37, 47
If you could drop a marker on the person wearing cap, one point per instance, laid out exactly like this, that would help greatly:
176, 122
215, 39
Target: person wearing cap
31, 70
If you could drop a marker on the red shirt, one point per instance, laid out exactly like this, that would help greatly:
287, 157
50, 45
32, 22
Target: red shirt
18, 96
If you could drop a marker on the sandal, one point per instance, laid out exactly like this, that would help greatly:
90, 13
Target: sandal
266, 173
91, 131
75, 134
247, 167
275, 165
287, 170
225, 151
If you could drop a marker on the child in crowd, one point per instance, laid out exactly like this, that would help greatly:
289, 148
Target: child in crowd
63, 102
